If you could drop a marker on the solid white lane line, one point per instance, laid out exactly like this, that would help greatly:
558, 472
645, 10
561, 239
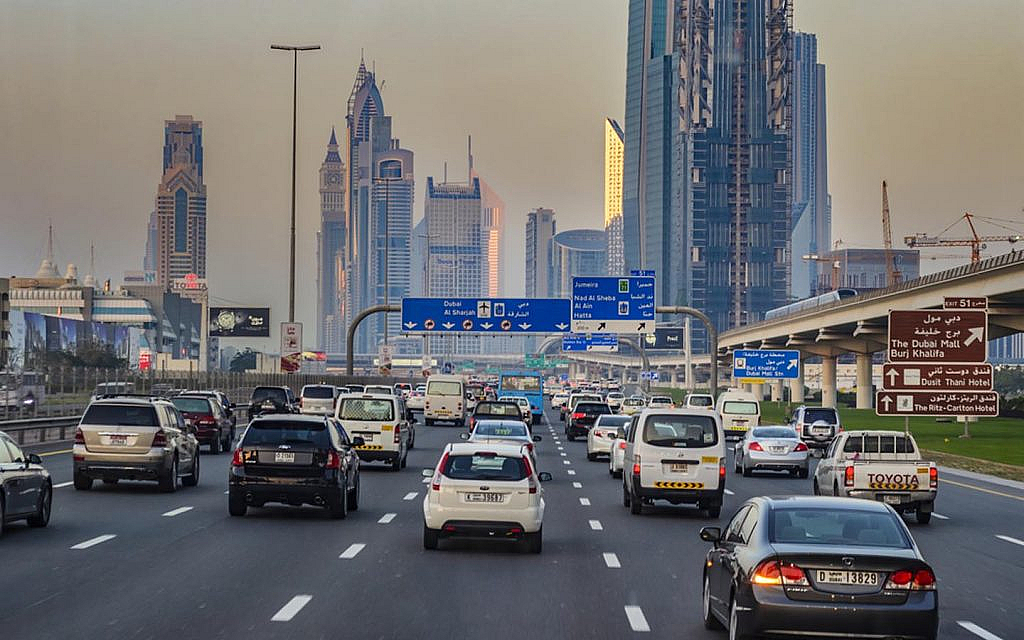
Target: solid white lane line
386, 518
1011, 540
566, 461
637, 621
940, 516
62, 484
426, 480
177, 512
411, 495
352, 551
288, 611
92, 542
570, 472
577, 485
729, 493
978, 631
611, 560
596, 525
585, 502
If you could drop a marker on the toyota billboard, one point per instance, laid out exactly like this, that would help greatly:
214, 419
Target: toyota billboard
239, 322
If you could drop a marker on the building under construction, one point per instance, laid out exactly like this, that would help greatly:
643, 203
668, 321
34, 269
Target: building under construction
708, 166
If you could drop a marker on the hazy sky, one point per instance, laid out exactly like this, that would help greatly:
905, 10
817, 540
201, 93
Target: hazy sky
926, 93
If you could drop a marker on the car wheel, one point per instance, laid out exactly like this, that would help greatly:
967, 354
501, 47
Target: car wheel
353, 497
412, 439
83, 483
745, 471
3, 514
535, 541
215, 445
339, 509
736, 466
923, 517
710, 621
169, 482
835, 489
192, 479
617, 474
711, 512
405, 459
636, 504
736, 630
226, 444
591, 456
396, 463
625, 495
236, 504
429, 538
814, 488
42, 515
802, 473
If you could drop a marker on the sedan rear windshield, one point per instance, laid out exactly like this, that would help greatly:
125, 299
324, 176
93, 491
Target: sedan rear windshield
484, 467
740, 408
500, 429
497, 409
839, 527
292, 432
775, 432
680, 431
813, 415
318, 392
593, 408
121, 415
699, 401
192, 405
442, 388
366, 409
613, 421
269, 393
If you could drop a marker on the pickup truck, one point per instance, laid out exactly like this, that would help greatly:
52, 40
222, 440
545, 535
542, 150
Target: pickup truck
884, 466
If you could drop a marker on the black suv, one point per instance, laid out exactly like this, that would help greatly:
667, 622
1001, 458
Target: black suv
295, 460
496, 410
272, 400
583, 417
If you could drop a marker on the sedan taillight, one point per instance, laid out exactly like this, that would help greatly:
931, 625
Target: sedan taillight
800, 447
159, 439
755, 446
236, 458
909, 579
773, 572
333, 460
79, 436
848, 477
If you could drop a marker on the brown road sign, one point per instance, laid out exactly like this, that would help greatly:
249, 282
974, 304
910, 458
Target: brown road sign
938, 377
965, 303
937, 403
941, 335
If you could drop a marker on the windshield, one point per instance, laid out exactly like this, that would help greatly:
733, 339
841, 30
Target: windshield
319, 392
365, 409
104, 388
505, 429
520, 383
269, 393
739, 407
680, 431
839, 527
813, 415
444, 388
278, 432
484, 467
774, 432
612, 421
878, 443
378, 389
699, 401
121, 415
497, 409
191, 405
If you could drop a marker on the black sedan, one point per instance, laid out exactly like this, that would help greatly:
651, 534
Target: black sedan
583, 417
26, 492
295, 460
810, 566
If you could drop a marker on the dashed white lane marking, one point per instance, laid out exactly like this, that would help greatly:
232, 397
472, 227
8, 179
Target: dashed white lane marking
577, 485
585, 502
611, 560
288, 611
411, 495
352, 551
426, 481
386, 518
92, 542
62, 485
1011, 540
226, 492
940, 516
596, 525
559, 448
730, 493
570, 472
978, 631
566, 461
637, 621
177, 512
563, 454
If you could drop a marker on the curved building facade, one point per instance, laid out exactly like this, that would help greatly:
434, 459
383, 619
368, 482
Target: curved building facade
576, 252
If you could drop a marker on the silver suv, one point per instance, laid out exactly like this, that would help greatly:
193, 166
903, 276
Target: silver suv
817, 426
135, 438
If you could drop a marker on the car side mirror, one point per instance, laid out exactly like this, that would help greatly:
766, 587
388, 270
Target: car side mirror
711, 534
34, 459
427, 473
232, 406
358, 441
464, 436
537, 438
544, 476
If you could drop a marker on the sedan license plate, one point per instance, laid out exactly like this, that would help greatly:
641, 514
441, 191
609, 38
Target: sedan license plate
284, 456
677, 467
828, 576
777, 449
120, 441
484, 497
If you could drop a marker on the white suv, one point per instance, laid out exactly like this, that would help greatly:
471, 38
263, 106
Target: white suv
484, 490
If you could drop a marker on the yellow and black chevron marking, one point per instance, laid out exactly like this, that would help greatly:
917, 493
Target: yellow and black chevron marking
679, 485
374, 447
893, 485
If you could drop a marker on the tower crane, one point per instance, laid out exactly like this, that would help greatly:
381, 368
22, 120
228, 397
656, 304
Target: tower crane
975, 242
892, 272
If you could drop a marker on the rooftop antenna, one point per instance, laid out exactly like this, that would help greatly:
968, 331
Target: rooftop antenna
445, 172
470, 153
49, 242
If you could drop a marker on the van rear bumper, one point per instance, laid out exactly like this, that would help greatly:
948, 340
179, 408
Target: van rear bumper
708, 497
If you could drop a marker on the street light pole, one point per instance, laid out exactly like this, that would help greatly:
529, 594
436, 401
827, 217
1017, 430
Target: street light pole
295, 93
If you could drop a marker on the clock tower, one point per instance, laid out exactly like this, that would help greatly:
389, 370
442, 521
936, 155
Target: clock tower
331, 251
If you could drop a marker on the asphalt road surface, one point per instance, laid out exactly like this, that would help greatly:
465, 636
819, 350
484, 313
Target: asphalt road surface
126, 561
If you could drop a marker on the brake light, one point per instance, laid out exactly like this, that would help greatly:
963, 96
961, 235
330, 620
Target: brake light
435, 484
907, 579
333, 460
398, 434
236, 458
848, 476
800, 447
529, 474
159, 439
773, 572
933, 478
529, 447
755, 446
577, 415
622, 444
721, 469
636, 464
79, 436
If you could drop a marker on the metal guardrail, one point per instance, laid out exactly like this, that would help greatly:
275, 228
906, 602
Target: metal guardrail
40, 430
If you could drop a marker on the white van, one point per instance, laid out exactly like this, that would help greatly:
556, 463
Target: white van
740, 411
676, 455
445, 400
378, 419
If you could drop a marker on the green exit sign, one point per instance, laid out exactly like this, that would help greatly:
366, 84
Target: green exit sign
535, 361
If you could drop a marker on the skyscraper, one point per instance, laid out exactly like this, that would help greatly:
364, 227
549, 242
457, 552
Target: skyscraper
492, 230
540, 229
181, 202
152, 243
577, 252
811, 219
331, 251
613, 148
707, 171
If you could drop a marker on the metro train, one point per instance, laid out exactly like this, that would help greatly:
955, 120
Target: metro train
809, 303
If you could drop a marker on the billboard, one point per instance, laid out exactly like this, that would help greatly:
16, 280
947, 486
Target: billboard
239, 322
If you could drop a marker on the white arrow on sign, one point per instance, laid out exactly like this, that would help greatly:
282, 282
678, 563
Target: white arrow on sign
887, 401
793, 364
410, 325
562, 326
447, 325
977, 335
892, 375
486, 325
524, 326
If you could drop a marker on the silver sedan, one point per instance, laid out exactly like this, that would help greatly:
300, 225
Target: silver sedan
771, 449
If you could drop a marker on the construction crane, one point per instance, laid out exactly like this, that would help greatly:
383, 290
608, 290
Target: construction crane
837, 264
975, 242
892, 272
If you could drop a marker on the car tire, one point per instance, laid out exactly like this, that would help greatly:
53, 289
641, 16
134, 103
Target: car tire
745, 471
42, 515
339, 509
430, 537
617, 474
236, 505
535, 541
405, 459
814, 487
215, 445
3, 514
412, 439
226, 444
711, 512
192, 479
591, 456
710, 621
353, 497
736, 629
636, 505
736, 465
923, 517
169, 481
82, 483
835, 489
625, 495
802, 473
396, 463
428, 421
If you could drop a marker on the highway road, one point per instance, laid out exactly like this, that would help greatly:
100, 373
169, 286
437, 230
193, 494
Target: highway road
126, 561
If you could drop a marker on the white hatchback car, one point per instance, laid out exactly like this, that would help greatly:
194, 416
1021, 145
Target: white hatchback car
601, 436
618, 451
488, 491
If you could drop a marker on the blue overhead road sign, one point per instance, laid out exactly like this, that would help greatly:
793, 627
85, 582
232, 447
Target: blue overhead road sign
485, 315
591, 342
613, 305
772, 364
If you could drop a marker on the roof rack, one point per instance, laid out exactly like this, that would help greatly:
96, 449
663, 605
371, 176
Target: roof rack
140, 396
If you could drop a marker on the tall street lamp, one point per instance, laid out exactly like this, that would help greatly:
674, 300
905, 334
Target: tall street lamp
295, 49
